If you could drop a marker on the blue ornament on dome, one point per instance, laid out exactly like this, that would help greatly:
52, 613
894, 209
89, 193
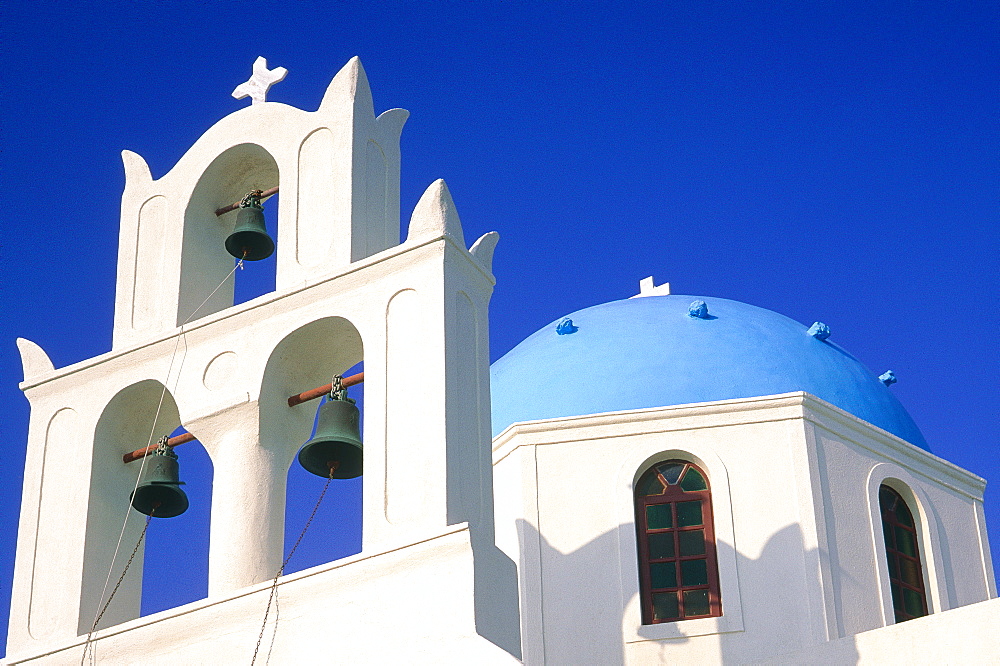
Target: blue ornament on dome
565, 326
819, 330
698, 310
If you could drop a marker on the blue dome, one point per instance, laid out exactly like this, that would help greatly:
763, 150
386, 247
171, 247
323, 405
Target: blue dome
649, 352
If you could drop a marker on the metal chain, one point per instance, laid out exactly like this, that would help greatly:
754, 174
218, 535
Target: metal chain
281, 570
252, 199
274, 631
337, 389
117, 585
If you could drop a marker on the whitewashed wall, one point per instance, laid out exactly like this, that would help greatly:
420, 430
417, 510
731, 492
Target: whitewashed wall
798, 554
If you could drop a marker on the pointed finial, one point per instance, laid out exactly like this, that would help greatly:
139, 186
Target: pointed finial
349, 92
435, 215
483, 248
136, 169
34, 360
260, 81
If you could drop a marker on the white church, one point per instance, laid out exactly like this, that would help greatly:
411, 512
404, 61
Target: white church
659, 479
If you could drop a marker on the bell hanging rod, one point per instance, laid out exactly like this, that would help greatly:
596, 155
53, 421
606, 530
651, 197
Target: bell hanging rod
305, 396
143, 452
233, 206
320, 391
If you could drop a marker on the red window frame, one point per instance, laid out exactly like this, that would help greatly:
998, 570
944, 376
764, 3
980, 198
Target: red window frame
902, 554
668, 557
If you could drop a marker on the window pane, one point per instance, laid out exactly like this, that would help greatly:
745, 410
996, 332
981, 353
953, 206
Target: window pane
693, 480
886, 498
903, 514
913, 602
887, 534
663, 574
671, 472
689, 513
893, 565
694, 572
897, 599
906, 541
658, 517
665, 606
692, 542
661, 545
910, 572
695, 603
649, 484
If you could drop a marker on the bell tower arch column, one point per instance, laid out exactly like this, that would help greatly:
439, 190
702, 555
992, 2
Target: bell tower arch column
248, 499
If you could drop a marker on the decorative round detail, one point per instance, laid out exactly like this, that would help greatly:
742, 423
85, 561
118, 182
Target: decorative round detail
220, 370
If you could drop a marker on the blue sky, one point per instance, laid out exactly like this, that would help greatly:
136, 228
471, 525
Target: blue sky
829, 161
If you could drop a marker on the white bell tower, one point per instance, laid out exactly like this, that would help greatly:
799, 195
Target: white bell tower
347, 290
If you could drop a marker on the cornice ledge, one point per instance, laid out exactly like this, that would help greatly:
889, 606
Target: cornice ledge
908, 454
259, 302
647, 414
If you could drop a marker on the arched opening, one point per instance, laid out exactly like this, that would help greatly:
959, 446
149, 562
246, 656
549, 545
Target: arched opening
675, 531
175, 566
205, 263
335, 531
307, 358
903, 557
136, 416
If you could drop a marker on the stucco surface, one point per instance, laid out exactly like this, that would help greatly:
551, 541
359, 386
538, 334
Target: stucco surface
412, 604
794, 485
964, 635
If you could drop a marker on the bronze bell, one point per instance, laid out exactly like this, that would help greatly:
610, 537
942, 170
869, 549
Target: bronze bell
159, 495
249, 239
337, 443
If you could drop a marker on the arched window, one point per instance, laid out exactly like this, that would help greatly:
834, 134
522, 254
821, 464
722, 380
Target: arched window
678, 572
902, 553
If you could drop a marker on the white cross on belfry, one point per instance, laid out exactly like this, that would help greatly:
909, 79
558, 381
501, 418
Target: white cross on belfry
261, 80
